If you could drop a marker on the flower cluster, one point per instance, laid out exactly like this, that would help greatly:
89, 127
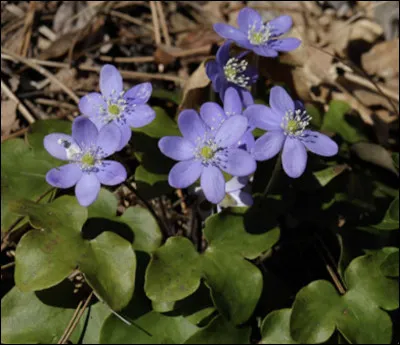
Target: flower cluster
217, 144
219, 140
104, 128
252, 35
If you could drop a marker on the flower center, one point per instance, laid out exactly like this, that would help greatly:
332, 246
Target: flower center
294, 123
207, 152
88, 160
234, 72
114, 109
260, 36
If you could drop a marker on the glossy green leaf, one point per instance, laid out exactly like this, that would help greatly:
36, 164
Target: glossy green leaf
328, 174
24, 166
227, 231
364, 275
109, 266
275, 328
390, 265
161, 126
144, 228
391, 219
314, 313
235, 284
362, 322
335, 121
30, 318
395, 158
219, 331
96, 316
151, 328
358, 315
174, 272
375, 154
47, 255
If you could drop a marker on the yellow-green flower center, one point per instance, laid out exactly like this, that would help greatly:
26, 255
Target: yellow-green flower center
292, 126
230, 72
88, 159
257, 38
114, 109
207, 152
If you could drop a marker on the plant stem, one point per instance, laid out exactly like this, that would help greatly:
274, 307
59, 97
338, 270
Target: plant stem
274, 175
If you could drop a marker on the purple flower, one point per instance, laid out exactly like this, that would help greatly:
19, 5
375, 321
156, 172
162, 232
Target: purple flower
214, 116
236, 193
125, 109
261, 38
85, 150
287, 128
234, 72
203, 152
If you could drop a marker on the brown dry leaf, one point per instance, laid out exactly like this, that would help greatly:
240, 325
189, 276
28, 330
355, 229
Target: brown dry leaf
14, 41
198, 38
194, 88
9, 122
382, 59
343, 33
72, 16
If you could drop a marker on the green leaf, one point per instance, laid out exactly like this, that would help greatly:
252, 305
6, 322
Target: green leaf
161, 126
152, 328
28, 318
172, 96
361, 322
390, 266
275, 328
173, 272
364, 275
109, 266
97, 314
334, 121
235, 284
147, 236
24, 167
219, 331
227, 231
391, 219
375, 154
358, 315
45, 257
314, 313
327, 175
395, 158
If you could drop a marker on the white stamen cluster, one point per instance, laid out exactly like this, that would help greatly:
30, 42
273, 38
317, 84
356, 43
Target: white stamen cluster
89, 159
234, 72
259, 36
115, 108
205, 150
295, 122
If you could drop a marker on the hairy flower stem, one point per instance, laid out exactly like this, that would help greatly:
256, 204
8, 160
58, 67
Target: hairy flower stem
274, 175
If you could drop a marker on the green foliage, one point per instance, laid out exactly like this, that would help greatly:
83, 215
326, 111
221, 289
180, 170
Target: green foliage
219, 331
335, 121
318, 309
176, 268
24, 166
47, 255
37, 318
275, 328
